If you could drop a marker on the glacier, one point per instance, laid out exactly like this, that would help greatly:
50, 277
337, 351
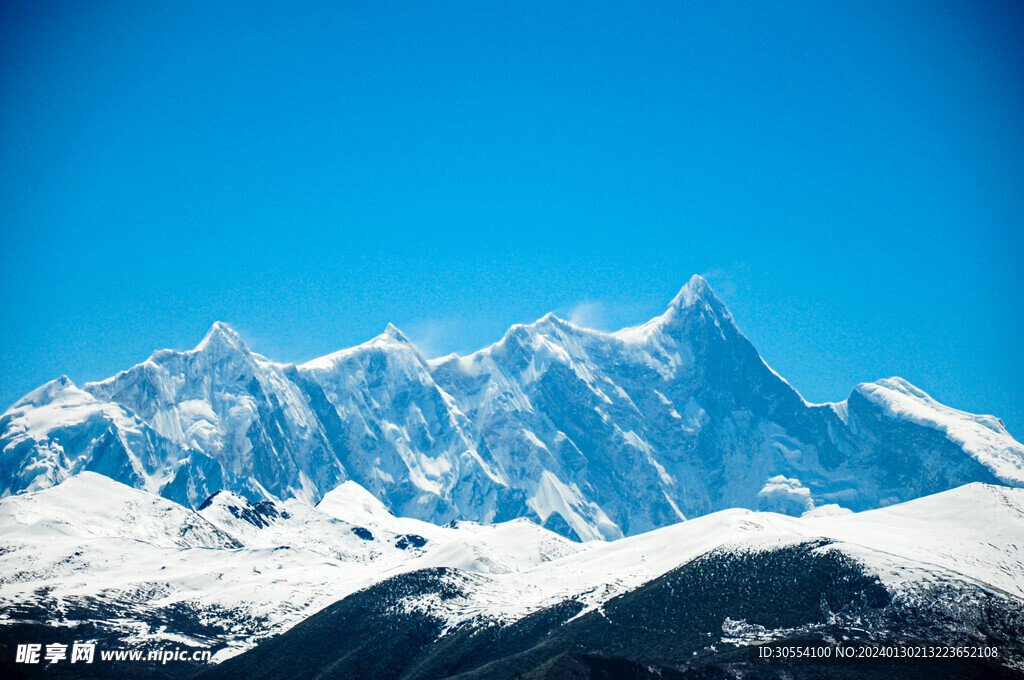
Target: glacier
592, 435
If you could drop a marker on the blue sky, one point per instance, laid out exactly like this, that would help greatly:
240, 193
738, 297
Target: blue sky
849, 178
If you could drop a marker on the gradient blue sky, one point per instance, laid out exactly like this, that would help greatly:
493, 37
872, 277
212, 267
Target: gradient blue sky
849, 178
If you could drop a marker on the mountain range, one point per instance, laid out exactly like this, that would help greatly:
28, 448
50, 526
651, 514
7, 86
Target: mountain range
515, 513
700, 599
593, 435
347, 589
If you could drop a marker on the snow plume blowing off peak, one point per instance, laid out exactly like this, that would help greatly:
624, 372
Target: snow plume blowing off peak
594, 435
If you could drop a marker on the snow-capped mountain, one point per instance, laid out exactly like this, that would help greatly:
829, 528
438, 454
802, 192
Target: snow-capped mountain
94, 559
594, 435
692, 600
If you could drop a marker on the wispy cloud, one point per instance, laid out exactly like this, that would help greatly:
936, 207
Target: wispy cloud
589, 314
429, 335
609, 315
438, 337
726, 281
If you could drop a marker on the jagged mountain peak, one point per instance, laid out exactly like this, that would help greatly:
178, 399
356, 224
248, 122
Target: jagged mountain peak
694, 300
696, 294
392, 339
523, 337
392, 332
547, 324
550, 319
608, 434
697, 288
46, 392
222, 337
550, 322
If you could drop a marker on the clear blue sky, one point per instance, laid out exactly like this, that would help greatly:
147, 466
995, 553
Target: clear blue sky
849, 178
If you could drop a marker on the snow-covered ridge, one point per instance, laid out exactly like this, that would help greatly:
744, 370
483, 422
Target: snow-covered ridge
984, 437
973, 534
94, 541
390, 339
90, 507
594, 435
59, 430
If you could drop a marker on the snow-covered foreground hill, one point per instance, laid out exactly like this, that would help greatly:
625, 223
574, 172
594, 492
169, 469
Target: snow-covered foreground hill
92, 558
701, 599
974, 533
593, 435
136, 567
